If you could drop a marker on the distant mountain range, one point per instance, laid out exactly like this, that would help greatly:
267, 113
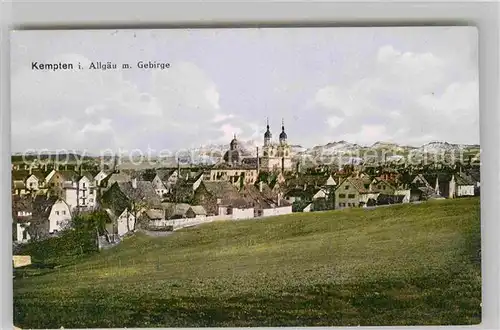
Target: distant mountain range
211, 153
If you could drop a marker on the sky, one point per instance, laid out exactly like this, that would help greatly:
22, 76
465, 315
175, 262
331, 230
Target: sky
408, 85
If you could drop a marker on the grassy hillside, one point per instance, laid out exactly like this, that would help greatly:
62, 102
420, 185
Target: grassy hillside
401, 265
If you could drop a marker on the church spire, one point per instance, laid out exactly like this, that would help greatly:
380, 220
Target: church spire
283, 135
267, 134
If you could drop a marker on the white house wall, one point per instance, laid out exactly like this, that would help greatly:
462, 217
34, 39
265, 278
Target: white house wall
465, 190
32, 183
121, 222
282, 210
406, 193
59, 216
19, 233
243, 213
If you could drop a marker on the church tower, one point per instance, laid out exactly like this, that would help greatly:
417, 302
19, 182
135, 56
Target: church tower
267, 135
283, 136
276, 156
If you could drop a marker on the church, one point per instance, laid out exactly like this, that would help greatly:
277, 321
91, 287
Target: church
276, 156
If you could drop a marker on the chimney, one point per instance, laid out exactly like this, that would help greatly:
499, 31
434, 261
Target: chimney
260, 186
134, 183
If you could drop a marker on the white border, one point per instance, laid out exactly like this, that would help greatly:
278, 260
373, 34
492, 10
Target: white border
94, 15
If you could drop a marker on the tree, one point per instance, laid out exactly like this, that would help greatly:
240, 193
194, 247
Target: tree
135, 208
92, 222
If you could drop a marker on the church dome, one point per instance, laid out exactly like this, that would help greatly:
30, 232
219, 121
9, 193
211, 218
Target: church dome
282, 134
232, 156
267, 134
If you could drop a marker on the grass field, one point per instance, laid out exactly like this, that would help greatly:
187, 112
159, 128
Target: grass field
400, 265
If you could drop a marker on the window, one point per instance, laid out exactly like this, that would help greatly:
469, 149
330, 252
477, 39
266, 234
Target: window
349, 204
83, 184
83, 193
341, 195
32, 184
379, 187
92, 192
346, 187
64, 212
57, 212
351, 196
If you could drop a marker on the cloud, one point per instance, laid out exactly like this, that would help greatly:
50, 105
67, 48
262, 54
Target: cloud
221, 117
407, 97
417, 83
106, 102
334, 121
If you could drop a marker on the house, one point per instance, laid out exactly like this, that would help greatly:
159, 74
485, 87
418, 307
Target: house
388, 174
126, 201
465, 186
353, 192
60, 179
305, 194
155, 218
113, 177
222, 198
49, 176
59, 215
159, 186
121, 221
81, 193
383, 199
175, 210
320, 180
22, 211
99, 177
156, 177
420, 189
265, 201
196, 211
443, 184
234, 174
382, 186
19, 188
27, 181
168, 177
475, 175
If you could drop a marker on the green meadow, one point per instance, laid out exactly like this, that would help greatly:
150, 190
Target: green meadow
400, 265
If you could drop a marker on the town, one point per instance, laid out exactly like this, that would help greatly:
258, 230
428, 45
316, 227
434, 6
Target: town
45, 198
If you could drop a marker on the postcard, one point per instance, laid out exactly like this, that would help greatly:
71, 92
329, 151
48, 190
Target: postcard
245, 177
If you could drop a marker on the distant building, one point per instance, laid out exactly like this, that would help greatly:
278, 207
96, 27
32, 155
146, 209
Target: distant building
276, 156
